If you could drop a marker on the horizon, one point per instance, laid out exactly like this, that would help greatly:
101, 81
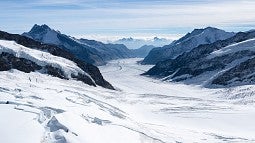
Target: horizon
115, 19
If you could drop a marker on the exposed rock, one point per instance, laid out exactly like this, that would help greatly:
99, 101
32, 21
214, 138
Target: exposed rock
9, 61
239, 75
197, 65
93, 71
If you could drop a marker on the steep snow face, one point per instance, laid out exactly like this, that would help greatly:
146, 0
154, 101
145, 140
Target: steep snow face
205, 36
233, 48
142, 110
188, 42
41, 58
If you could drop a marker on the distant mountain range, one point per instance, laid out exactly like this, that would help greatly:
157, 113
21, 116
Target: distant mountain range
229, 62
186, 43
89, 51
133, 43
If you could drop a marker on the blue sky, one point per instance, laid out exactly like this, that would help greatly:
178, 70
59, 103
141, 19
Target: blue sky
109, 19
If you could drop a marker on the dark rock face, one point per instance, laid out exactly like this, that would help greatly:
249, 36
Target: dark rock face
92, 70
56, 72
89, 51
196, 62
9, 61
186, 43
241, 74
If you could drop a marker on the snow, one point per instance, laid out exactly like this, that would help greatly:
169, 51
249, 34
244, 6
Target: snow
141, 110
244, 45
39, 57
18, 126
210, 35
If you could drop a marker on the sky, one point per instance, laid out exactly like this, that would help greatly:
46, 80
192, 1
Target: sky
113, 19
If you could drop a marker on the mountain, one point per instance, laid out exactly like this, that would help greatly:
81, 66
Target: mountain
108, 51
186, 43
89, 51
142, 51
227, 62
133, 43
28, 55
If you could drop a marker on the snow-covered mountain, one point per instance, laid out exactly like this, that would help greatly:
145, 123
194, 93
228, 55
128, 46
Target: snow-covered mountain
48, 95
133, 43
15, 56
90, 51
142, 51
224, 63
27, 55
186, 43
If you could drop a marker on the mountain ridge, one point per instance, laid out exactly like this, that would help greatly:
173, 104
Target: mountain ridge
186, 43
85, 50
195, 65
92, 70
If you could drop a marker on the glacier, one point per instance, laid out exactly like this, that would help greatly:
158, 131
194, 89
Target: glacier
41, 108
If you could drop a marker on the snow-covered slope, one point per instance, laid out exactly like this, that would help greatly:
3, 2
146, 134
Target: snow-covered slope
186, 43
65, 68
142, 110
11, 61
223, 63
234, 48
90, 51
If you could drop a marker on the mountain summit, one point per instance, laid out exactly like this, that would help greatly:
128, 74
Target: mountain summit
224, 63
90, 51
43, 34
186, 43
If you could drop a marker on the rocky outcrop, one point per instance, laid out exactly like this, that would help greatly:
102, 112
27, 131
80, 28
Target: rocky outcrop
9, 61
238, 75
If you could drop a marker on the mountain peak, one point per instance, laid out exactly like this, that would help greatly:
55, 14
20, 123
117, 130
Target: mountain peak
156, 38
127, 39
43, 33
40, 28
186, 43
209, 29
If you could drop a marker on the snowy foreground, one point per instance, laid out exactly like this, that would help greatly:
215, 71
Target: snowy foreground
39, 108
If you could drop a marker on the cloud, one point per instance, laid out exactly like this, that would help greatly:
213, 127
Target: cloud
128, 17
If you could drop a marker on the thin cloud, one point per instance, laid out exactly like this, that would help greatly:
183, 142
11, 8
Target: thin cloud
124, 17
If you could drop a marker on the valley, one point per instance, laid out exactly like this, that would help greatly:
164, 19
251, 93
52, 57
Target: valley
127, 71
140, 110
